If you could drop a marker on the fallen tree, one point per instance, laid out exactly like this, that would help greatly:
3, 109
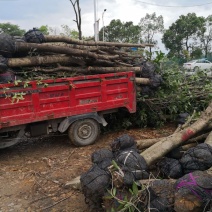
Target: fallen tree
146, 143
165, 145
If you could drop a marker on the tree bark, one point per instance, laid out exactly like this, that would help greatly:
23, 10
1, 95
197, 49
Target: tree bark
209, 139
158, 150
51, 38
43, 60
78, 17
27, 47
143, 81
91, 69
146, 143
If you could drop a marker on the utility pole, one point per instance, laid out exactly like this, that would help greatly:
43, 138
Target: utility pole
103, 27
96, 23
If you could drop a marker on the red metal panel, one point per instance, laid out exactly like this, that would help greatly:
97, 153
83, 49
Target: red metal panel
67, 97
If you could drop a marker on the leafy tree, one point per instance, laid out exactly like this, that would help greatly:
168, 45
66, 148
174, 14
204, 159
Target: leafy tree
44, 29
118, 31
182, 34
196, 52
67, 31
205, 36
151, 25
11, 29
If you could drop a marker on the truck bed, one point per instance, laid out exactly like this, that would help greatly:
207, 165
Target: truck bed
52, 99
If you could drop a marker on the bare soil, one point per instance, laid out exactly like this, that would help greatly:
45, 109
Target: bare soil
34, 172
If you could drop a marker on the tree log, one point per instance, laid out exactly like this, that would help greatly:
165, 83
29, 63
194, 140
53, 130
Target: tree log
110, 50
123, 64
91, 70
209, 139
53, 38
146, 143
164, 146
104, 63
27, 47
43, 60
143, 81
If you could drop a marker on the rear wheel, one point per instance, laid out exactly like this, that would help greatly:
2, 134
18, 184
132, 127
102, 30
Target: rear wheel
84, 132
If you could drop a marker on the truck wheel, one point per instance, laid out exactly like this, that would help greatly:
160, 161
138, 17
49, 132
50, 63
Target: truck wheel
84, 132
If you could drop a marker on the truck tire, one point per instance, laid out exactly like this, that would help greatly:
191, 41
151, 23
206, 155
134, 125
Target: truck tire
84, 132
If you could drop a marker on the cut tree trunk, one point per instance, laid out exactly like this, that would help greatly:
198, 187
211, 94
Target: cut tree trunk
53, 38
43, 60
143, 81
209, 139
90, 70
146, 143
27, 47
158, 150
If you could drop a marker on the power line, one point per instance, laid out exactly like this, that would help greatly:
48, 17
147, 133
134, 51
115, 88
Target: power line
160, 5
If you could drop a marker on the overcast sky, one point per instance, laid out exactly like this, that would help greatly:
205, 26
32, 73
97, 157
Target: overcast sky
54, 13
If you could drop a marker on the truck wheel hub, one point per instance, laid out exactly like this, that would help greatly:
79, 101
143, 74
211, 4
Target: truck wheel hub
84, 131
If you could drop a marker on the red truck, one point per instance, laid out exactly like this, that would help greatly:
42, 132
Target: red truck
75, 105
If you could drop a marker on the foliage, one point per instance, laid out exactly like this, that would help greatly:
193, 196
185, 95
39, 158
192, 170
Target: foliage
151, 25
196, 53
128, 203
177, 94
67, 31
44, 29
11, 29
182, 34
122, 199
205, 36
123, 32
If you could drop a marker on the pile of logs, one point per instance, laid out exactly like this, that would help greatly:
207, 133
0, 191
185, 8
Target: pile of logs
187, 179
36, 55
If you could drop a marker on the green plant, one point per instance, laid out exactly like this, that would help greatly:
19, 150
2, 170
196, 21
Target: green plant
17, 97
124, 199
129, 202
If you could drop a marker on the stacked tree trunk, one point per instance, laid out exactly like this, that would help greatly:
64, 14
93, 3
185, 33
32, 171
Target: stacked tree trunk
59, 56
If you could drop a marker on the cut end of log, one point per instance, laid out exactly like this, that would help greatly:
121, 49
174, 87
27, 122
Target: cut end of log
74, 184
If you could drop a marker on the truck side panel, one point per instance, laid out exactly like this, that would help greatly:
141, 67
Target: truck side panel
52, 99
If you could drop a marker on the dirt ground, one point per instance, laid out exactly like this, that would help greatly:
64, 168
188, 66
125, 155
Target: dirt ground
34, 172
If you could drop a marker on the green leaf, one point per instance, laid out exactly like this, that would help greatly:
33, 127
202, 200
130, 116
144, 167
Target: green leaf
135, 188
131, 191
114, 191
115, 164
16, 82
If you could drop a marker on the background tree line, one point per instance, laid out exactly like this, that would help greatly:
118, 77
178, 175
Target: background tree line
188, 37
